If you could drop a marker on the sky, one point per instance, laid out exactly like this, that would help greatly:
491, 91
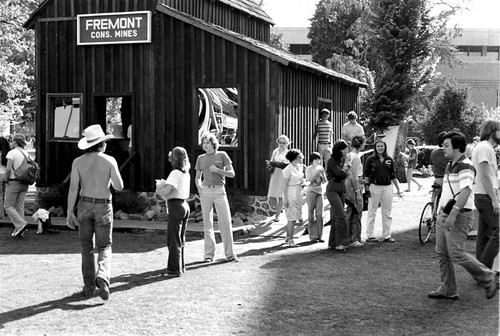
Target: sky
296, 13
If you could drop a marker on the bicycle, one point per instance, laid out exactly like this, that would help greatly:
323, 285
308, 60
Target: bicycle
428, 218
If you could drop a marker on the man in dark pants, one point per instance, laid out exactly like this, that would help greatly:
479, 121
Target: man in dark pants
454, 222
93, 173
486, 192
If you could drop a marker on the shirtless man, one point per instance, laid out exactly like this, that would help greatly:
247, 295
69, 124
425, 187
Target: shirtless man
94, 172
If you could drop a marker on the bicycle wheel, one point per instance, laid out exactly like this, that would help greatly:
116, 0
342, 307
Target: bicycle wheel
425, 227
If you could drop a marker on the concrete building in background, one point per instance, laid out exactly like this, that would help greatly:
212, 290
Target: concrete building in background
479, 53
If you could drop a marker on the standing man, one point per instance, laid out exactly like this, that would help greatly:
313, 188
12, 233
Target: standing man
454, 223
351, 128
215, 166
324, 132
16, 190
486, 192
93, 173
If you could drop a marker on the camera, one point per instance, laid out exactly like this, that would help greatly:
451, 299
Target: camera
447, 208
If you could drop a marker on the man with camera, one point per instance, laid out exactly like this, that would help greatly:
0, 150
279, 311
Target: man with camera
455, 220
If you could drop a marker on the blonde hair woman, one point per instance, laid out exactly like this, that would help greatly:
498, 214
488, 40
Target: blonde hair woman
279, 162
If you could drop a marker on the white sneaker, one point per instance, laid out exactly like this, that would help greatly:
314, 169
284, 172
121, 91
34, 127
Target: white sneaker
291, 243
356, 244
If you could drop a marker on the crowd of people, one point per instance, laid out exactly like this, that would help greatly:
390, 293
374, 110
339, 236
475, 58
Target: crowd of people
466, 183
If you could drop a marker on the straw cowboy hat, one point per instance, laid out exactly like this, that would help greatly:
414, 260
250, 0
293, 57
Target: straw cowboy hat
92, 135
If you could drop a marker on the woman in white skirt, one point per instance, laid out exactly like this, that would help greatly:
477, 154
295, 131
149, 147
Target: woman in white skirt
278, 161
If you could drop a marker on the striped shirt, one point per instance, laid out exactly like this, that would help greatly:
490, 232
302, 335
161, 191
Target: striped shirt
460, 175
324, 131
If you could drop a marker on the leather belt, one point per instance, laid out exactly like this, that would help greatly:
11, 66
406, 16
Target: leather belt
13, 179
466, 210
94, 200
324, 143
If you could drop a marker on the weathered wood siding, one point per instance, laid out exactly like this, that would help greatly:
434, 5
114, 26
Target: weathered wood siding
162, 78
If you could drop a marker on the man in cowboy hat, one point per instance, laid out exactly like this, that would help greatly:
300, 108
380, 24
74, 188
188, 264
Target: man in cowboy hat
93, 173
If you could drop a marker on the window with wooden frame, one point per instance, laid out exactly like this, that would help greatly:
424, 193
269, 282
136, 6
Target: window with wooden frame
64, 116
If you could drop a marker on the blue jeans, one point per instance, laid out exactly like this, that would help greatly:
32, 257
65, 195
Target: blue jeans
339, 232
216, 196
95, 219
450, 243
14, 202
178, 213
315, 215
487, 230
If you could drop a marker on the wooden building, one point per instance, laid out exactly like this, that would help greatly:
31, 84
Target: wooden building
173, 69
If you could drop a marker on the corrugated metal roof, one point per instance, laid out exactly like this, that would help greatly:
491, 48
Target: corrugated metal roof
278, 55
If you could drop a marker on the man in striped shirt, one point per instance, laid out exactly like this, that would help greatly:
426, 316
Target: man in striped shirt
324, 132
455, 220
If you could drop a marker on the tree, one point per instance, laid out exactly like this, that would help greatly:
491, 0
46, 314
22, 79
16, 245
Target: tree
16, 61
336, 29
453, 108
399, 41
278, 42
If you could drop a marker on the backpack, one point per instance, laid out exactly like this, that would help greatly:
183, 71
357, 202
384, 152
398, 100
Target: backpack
28, 172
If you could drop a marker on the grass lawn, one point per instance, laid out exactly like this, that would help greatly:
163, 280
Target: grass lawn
380, 289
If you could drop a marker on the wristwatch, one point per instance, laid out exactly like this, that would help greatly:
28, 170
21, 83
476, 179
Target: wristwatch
455, 207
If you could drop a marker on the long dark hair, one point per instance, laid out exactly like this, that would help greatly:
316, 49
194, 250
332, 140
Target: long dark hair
4, 149
375, 153
179, 159
337, 149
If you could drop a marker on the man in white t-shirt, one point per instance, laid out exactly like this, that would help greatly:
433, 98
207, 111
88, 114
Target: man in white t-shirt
486, 192
16, 190
351, 128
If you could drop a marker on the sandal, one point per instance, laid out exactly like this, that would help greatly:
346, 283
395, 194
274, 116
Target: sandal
372, 240
389, 240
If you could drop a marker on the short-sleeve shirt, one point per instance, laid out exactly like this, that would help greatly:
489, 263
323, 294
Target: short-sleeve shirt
484, 152
324, 131
438, 162
17, 158
461, 175
295, 175
380, 172
180, 181
351, 130
220, 160
314, 186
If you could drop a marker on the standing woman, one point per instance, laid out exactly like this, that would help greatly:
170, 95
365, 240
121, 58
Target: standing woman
4, 149
293, 176
316, 176
278, 161
176, 193
336, 173
16, 190
354, 186
379, 172
412, 163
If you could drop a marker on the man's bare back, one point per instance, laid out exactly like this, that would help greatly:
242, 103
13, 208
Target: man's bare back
95, 173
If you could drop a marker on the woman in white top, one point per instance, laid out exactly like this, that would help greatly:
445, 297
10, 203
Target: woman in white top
278, 161
176, 193
16, 190
292, 192
4, 149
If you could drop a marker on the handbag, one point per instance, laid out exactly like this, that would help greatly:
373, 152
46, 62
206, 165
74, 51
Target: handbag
269, 169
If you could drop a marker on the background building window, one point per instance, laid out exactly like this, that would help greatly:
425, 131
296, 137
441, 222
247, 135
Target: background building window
64, 116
